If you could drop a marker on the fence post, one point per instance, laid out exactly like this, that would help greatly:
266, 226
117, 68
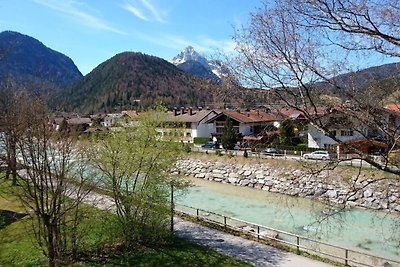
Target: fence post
298, 244
346, 252
197, 214
258, 232
225, 222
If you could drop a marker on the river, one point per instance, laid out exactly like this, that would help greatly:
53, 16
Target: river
372, 232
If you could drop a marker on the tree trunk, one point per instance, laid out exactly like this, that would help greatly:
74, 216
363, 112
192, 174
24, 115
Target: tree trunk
13, 163
51, 248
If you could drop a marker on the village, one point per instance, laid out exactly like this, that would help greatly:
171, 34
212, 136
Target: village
254, 128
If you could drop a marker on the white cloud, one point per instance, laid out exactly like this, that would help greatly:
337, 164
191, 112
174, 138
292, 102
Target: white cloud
157, 13
145, 10
73, 10
135, 11
202, 44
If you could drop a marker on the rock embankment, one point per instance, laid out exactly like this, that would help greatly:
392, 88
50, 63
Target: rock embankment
333, 186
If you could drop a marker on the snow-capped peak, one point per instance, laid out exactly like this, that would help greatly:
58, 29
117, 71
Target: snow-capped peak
190, 54
214, 68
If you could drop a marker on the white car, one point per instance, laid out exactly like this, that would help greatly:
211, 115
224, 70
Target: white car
320, 154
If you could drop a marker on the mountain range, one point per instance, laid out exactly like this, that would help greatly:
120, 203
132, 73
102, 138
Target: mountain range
30, 64
136, 80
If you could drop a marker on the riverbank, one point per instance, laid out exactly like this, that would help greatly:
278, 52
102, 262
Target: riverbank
369, 189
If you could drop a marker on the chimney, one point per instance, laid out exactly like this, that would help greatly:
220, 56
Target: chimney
190, 111
182, 110
175, 111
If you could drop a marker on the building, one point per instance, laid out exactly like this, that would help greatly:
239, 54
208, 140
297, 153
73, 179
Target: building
189, 123
245, 123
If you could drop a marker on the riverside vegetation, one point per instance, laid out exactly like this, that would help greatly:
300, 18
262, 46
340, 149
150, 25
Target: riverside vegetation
100, 242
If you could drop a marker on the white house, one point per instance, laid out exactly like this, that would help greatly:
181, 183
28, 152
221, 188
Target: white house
245, 123
193, 122
353, 129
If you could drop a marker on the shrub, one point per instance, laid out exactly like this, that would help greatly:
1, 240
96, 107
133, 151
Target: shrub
187, 148
302, 147
200, 140
245, 154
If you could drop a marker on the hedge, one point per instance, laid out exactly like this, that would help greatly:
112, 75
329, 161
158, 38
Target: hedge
201, 140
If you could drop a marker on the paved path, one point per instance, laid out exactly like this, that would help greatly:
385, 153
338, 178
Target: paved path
240, 248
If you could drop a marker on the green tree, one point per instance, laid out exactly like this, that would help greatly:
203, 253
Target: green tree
135, 166
228, 139
286, 132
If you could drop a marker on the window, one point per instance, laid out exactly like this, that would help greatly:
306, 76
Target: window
219, 129
329, 146
188, 134
346, 133
332, 133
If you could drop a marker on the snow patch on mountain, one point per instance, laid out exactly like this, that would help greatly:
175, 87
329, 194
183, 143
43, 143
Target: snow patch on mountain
215, 67
189, 54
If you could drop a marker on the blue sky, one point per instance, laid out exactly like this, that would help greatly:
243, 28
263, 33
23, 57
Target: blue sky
90, 32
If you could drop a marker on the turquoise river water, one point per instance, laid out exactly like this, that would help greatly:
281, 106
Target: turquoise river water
376, 233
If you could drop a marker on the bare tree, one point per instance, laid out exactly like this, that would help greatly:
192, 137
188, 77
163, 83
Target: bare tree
54, 183
297, 48
11, 125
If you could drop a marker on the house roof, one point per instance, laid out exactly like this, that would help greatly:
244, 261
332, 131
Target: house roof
133, 114
364, 142
78, 121
114, 115
393, 107
291, 113
196, 116
252, 116
58, 120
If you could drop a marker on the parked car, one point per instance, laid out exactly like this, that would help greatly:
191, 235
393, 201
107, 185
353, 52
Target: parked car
210, 145
319, 154
272, 152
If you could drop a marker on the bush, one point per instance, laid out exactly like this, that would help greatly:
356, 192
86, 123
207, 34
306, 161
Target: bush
218, 152
200, 140
245, 154
302, 147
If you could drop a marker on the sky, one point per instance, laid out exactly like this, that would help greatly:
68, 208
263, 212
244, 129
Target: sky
92, 31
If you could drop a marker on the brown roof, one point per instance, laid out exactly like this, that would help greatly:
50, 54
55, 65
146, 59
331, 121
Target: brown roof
252, 116
196, 116
291, 113
133, 114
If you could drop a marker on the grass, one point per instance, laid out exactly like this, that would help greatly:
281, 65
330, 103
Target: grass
99, 243
179, 253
